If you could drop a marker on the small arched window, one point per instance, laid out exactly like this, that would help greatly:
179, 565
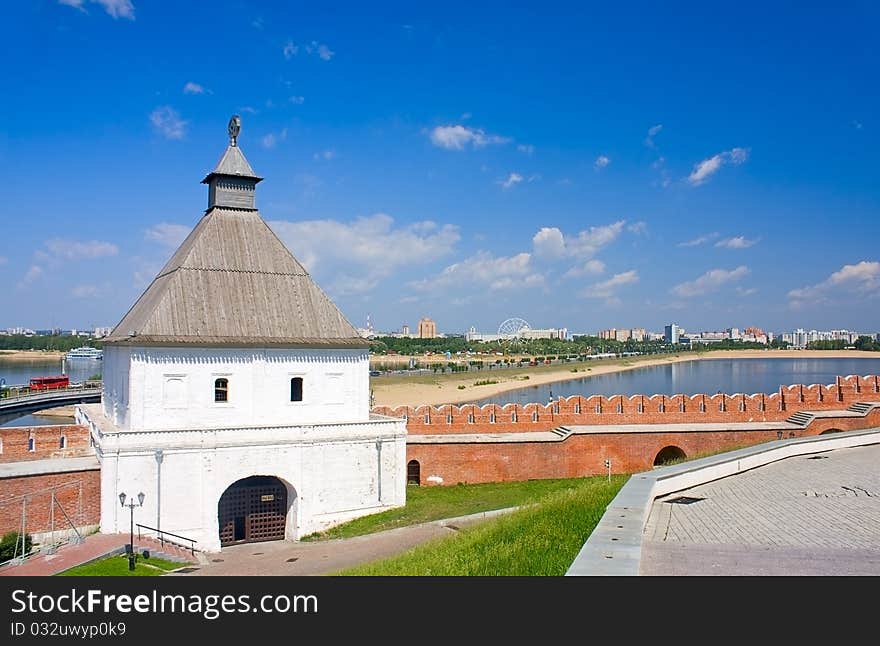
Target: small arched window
221, 390
32, 444
62, 443
296, 389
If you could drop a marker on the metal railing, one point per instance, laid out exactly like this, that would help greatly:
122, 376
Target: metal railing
23, 392
160, 536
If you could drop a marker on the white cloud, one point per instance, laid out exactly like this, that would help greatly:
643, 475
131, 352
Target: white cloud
638, 228
601, 162
167, 122
325, 52
738, 242
32, 274
705, 169
85, 291
270, 140
709, 282
550, 241
290, 49
326, 155
115, 8
512, 180
746, 291
194, 88
145, 270
607, 288
297, 100
698, 240
485, 270
528, 149
458, 137
3, 260
366, 249
61, 248
857, 125
862, 278
652, 132
167, 234
659, 165
589, 268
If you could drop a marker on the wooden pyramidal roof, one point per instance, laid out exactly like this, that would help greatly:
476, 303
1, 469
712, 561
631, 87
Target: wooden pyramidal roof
232, 282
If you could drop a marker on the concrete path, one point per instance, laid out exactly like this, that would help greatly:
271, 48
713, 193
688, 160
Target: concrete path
93, 547
285, 558
801, 516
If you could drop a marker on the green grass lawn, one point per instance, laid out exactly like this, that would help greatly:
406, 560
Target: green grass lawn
117, 565
424, 504
539, 540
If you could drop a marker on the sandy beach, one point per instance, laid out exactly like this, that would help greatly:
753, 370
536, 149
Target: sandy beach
438, 389
30, 355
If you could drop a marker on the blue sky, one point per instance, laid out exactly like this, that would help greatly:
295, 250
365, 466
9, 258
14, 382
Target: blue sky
576, 165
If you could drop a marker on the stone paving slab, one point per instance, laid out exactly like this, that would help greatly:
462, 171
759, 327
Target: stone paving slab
808, 514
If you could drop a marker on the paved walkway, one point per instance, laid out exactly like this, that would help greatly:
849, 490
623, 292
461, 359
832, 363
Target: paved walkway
284, 558
68, 556
807, 515
93, 547
275, 558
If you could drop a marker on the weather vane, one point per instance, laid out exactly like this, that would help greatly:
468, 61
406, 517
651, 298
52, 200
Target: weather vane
234, 128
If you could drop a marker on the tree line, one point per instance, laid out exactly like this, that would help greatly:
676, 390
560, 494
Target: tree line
48, 342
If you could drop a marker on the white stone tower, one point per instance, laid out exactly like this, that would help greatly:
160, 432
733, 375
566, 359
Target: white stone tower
236, 394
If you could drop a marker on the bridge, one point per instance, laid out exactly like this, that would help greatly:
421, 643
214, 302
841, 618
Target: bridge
27, 402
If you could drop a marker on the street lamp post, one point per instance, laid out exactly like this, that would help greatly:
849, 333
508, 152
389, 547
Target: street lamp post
131, 505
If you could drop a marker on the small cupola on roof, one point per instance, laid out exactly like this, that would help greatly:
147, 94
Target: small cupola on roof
232, 183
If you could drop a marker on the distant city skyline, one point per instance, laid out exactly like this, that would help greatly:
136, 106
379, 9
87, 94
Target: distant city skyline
614, 168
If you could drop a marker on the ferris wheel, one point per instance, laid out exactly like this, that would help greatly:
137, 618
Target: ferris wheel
513, 328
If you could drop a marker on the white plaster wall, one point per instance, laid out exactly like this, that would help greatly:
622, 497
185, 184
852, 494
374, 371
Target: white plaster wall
115, 383
332, 474
142, 381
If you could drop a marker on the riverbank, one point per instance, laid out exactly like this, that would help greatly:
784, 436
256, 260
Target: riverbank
30, 355
456, 388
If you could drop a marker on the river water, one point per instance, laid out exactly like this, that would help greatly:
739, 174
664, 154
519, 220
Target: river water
19, 372
709, 376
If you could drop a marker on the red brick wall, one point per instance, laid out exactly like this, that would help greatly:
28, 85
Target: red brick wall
584, 455
638, 409
47, 442
77, 492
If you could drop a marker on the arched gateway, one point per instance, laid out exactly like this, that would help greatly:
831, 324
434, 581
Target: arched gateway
668, 454
251, 510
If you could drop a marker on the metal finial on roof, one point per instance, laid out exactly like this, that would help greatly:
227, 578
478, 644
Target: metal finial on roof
234, 128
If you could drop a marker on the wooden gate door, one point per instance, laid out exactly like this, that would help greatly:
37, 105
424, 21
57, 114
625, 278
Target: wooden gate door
252, 510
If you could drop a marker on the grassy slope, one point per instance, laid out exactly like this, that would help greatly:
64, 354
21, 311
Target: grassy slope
424, 504
541, 540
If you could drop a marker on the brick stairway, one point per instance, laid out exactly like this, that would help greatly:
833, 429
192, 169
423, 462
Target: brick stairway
94, 547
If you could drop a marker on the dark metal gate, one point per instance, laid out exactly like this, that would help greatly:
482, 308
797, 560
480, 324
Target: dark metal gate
252, 510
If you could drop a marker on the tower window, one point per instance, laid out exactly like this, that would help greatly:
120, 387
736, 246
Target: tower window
32, 444
62, 443
296, 389
221, 390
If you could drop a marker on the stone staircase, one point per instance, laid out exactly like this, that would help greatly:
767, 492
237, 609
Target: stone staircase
168, 551
801, 418
862, 408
